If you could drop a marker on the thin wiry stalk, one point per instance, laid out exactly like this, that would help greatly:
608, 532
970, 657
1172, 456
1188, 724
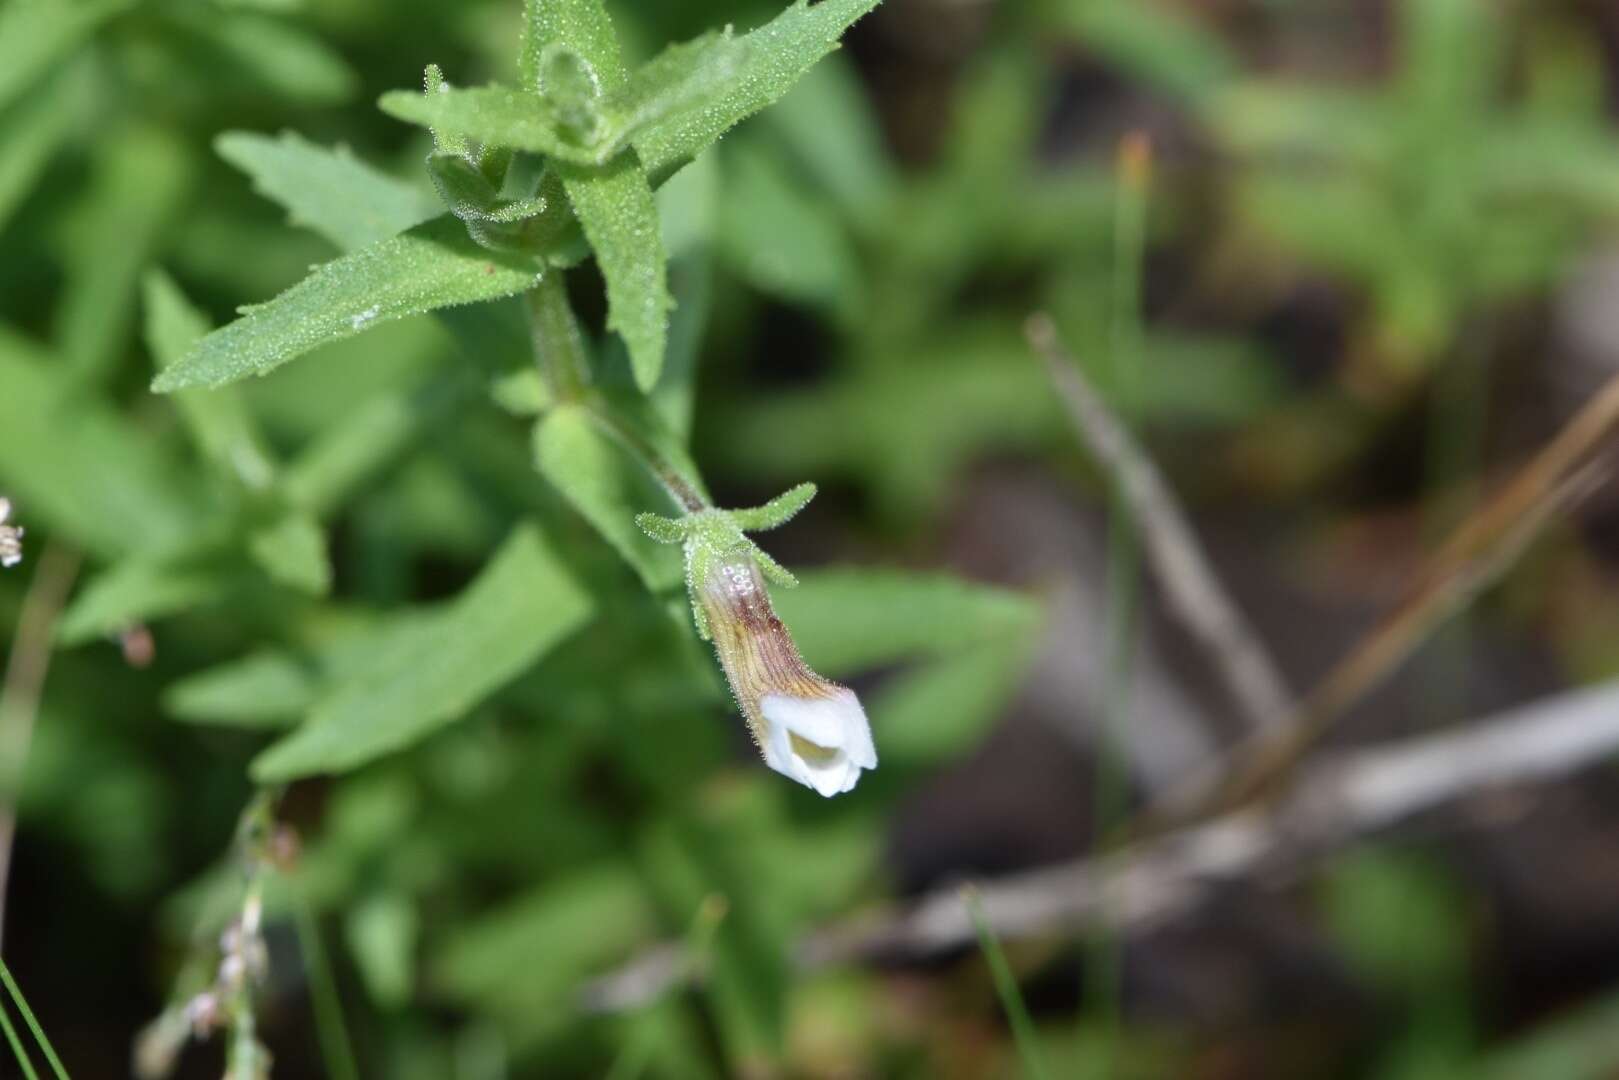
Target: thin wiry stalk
17, 1049
26, 669
1564, 474
1329, 804
1191, 588
1006, 988
1123, 551
336, 1049
32, 1022
560, 354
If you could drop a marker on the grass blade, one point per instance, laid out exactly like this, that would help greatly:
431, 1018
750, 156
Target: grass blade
1006, 988
33, 1026
17, 1047
336, 1048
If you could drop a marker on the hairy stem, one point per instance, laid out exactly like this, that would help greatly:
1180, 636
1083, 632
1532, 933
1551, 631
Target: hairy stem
561, 355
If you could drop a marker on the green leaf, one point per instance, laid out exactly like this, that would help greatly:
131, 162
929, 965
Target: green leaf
142, 589
1338, 222
759, 67
780, 239
615, 207
330, 192
264, 690
382, 933
292, 551
30, 134
274, 688
1580, 1042
559, 110
944, 707
1271, 118
522, 961
688, 208
377, 436
829, 125
36, 34
107, 488
1155, 43
849, 620
669, 109
434, 265
583, 26
351, 204
689, 860
218, 421
523, 603
607, 490
247, 55
492, 115
138, 188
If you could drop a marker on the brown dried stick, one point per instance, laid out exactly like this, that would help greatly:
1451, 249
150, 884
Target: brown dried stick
1332, 802
1566, 472
26, 668
1191, 587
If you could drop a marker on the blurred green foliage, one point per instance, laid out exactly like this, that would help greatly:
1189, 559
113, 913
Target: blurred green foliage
399, 566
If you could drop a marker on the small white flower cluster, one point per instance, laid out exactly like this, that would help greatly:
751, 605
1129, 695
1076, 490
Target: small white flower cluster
10, 537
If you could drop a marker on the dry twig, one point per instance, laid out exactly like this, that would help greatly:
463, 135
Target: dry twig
1331, 803
1191, 587
1564, 474
26, 668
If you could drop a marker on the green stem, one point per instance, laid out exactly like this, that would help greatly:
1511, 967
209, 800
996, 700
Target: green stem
335, 1047
685, 491
1006, 988
559, 344
17, 1049
1123, 558
31, 1021
560, 354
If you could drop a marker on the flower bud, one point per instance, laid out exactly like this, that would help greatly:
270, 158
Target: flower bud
809, 729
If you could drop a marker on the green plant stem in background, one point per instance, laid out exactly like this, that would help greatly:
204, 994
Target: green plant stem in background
337, 1050
33, 1026
1124, 378
1006, 987
18, 1051
1455, 449
26, 668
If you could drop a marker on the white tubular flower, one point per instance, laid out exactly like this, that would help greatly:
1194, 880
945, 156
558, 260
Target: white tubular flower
10, 537
808, 728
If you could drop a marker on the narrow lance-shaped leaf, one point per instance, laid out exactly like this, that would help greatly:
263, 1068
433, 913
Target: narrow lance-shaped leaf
31, 133
620, 220
594, 475
522, 604
139, 185
323, 189
106, 488
581, 25
435, 265
686, 107
262, 690
218, 422
35, 34
142, 589
669, 110
292, 551
330, 192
